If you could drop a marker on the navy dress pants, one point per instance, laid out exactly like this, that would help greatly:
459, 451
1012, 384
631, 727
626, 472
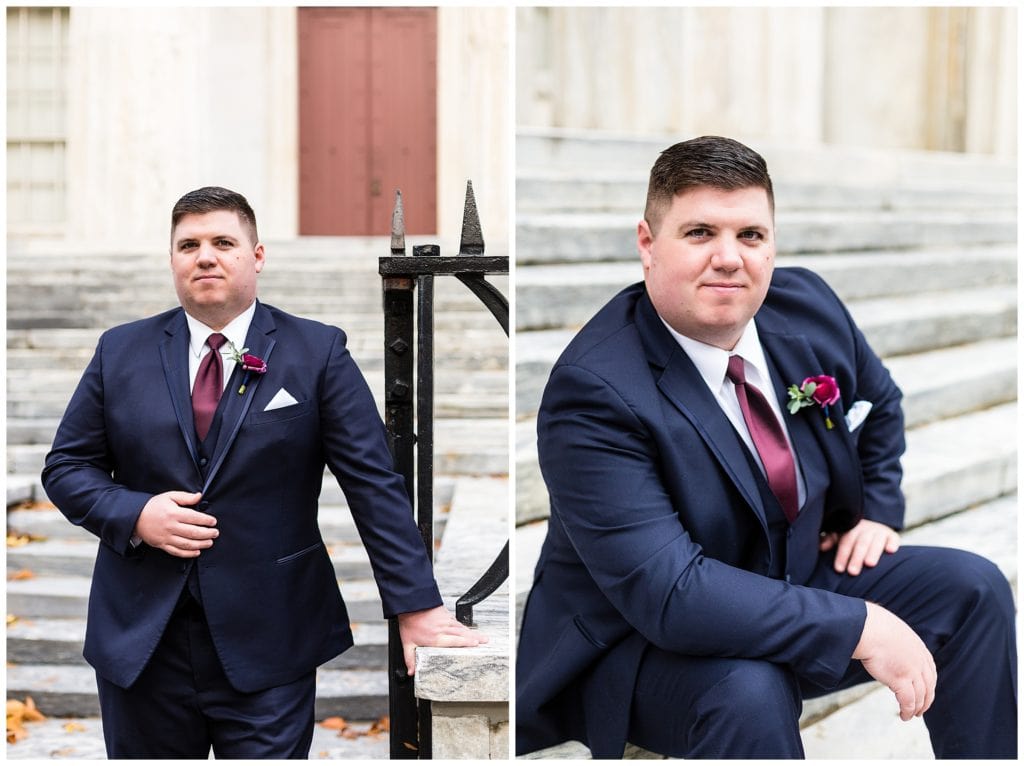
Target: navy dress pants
958, 603
182, 704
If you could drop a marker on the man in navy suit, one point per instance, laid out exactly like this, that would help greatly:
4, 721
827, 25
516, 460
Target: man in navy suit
194, 448
713, 557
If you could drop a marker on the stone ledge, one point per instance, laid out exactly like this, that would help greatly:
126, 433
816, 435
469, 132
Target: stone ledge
476, 530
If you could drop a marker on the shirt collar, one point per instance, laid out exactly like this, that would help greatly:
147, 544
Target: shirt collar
711, 362
235, 331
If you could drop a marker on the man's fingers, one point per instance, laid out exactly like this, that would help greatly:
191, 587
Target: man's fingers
828, 542
197, 518
409, 653
182, 553
188, 543
193, 532
184, 498
846, 543
906, 699
874, 551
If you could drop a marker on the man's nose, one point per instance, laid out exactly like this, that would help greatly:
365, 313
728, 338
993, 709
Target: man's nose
727, 257
207, 255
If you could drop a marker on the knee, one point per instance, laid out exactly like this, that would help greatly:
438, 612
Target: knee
979, 587
755, 690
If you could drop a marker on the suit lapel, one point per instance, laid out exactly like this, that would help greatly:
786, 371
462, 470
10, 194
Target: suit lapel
683, 385
260, 343
174, 353
794, 360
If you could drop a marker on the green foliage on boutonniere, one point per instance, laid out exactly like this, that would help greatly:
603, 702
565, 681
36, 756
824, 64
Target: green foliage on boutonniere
820, 389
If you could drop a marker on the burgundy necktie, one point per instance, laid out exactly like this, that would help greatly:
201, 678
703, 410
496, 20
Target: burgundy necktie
209, 386
769, 439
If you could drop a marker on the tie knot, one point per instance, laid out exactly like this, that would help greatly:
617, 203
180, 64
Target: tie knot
735, 371
216, 340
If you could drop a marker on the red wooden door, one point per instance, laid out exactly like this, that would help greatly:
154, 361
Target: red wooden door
367, 119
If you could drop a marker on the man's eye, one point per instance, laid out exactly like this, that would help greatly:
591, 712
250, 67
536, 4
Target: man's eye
224, 243
751, 235
698, 233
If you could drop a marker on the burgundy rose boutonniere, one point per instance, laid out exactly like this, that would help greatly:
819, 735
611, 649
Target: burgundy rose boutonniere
249, 363
821, 390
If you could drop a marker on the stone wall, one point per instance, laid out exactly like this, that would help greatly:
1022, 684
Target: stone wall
899, 78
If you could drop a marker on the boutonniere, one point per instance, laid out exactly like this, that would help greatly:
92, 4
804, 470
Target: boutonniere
249, 363
821, 390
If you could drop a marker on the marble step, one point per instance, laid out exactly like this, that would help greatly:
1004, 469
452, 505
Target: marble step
82, 738
583, 237
70, 690
555, 190
931, 332
65, 596
567, 295
71, 557
988, 529
575, 150
949, 465
336, 523
465, 392
461, 446
58, 641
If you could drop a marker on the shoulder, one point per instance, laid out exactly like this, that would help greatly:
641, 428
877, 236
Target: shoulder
143, 329
291, 324
611, 333
798, 294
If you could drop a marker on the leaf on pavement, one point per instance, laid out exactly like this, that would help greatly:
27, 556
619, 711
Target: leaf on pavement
21, 574
73, 726
334, 722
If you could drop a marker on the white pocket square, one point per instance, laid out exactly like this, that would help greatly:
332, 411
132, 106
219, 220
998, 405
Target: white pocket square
857, 414
281, 399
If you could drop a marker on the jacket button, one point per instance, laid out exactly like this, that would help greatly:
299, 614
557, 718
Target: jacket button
203, 461
203, 505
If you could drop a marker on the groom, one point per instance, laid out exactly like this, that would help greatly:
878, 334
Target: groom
194, 448
713, 557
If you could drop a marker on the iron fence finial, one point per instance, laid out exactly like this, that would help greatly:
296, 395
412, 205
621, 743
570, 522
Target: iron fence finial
472, 242
398, 226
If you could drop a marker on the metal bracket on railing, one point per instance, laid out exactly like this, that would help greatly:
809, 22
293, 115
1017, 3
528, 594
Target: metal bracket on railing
406, 405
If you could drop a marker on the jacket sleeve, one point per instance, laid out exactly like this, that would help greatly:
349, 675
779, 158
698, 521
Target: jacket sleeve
356, 451
602, 469
78, 474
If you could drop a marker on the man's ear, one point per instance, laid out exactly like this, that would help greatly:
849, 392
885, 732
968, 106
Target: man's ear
644, 240
261, 257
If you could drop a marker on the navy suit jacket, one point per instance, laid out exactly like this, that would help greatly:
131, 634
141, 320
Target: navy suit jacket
658, 532
268, 586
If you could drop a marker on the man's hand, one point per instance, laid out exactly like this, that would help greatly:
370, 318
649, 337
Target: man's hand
167, 523
893, 654
433, 627
862, 546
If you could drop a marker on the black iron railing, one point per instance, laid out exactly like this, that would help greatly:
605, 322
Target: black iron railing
408, 402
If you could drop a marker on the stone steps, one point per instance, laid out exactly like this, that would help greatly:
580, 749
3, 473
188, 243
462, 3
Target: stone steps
974, 332
70, 691
82, 738
335, 521
949, 465
588, 237
461, 446
58, 641
557, 190
579, 151
59, 597
833, 726
567, 295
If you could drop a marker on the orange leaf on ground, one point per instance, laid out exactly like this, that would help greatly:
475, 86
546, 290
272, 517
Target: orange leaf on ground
72, 726
22, 574
11, 619
334, 722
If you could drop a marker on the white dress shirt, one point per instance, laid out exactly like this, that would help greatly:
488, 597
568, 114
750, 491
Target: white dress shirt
235, 332
711, 362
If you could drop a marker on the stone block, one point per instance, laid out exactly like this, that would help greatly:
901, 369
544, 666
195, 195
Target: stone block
500, 741
461, 737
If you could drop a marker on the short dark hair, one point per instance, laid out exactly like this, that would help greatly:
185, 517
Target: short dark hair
213, 198
714, 161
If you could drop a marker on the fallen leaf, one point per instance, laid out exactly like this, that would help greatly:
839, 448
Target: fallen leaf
349, 733
11, 619
72, 726
410, 746
334, 722
22, 574
380, 726
16, 540
31, 711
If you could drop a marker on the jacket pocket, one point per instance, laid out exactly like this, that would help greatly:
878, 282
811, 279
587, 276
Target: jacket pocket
585, 632
297, 554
